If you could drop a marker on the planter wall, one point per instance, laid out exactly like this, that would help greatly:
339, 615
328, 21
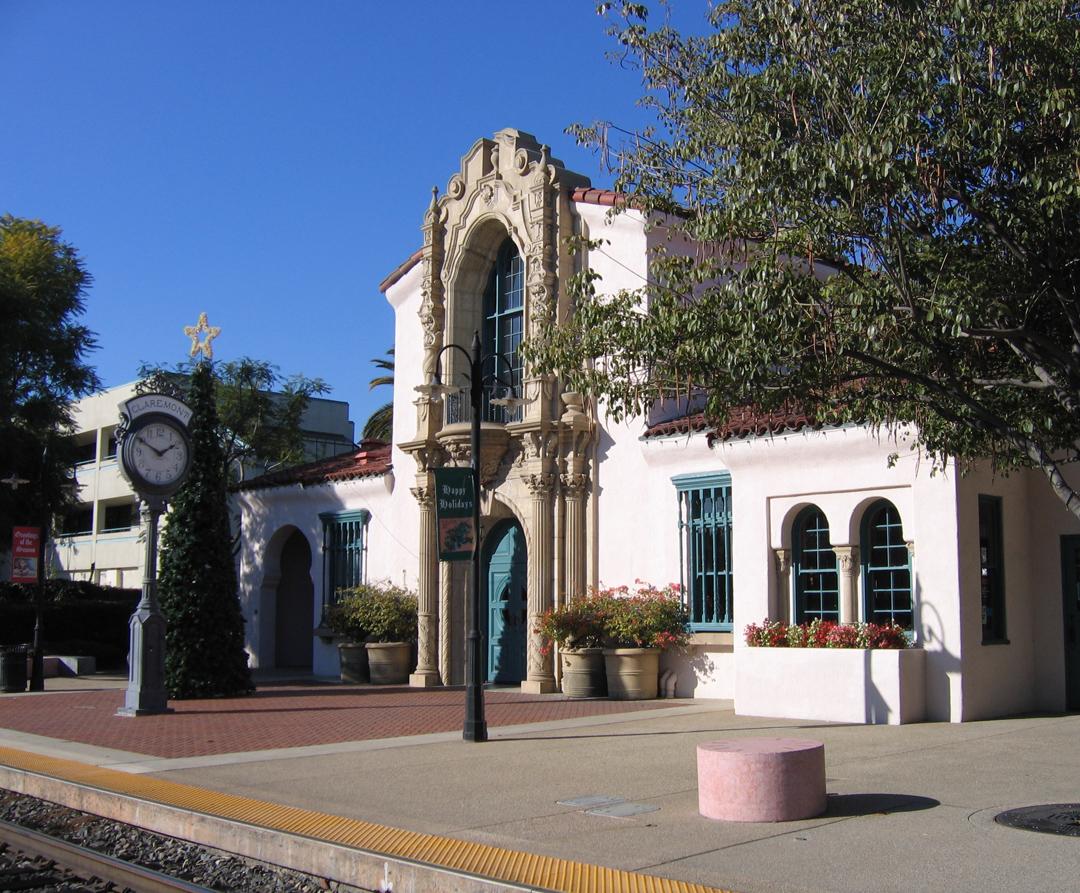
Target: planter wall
583, 673
354, 662
854, 685
632, 673
389, 662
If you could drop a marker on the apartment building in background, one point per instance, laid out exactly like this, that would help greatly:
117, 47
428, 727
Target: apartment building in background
98, 538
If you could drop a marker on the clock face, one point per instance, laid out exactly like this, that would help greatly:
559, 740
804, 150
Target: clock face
158, 454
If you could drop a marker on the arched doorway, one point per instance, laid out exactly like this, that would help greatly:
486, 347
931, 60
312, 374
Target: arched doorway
295, 605
505, 574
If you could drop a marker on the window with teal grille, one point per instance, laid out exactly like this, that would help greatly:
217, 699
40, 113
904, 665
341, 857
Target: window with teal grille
705, 549
817, 584
886, 567
344, 551
504, 323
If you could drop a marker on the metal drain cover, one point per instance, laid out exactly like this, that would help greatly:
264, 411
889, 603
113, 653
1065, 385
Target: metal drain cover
622, 810
590, 801
1053, 818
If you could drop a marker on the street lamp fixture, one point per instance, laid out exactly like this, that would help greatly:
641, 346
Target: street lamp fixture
475, 728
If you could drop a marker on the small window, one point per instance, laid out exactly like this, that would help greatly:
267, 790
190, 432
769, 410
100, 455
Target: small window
118, 517
705, 549
343, 552
886, 567
817, 585
77, 521
991, 570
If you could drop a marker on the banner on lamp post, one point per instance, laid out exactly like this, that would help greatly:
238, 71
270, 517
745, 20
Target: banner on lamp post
454, 513
25, 543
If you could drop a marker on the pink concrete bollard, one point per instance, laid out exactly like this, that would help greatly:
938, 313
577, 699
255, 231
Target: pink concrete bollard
761, 779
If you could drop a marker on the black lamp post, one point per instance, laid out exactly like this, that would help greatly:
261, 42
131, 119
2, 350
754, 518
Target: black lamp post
475, 728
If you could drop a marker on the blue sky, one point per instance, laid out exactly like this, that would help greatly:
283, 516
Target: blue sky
270, 162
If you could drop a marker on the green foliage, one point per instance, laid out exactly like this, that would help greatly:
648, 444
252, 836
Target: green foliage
579, 624
885, 203
380, 424
645, 617
197, 586
259, 411
375, 612
43, 366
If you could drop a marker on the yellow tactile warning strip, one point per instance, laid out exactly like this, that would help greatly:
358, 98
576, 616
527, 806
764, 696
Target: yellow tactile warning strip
481, 860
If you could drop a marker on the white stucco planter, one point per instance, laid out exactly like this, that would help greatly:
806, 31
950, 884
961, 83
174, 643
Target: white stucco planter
877, 685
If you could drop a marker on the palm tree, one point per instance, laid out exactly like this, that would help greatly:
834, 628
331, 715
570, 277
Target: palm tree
380, 424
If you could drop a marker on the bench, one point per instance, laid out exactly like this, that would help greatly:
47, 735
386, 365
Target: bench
761, 779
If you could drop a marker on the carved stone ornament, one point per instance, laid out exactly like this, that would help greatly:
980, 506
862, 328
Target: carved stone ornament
540, 485
425, 496
847, 558
575, 484
783, 560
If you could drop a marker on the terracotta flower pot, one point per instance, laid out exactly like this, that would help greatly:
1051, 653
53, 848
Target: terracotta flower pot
354, 662
583, 673
389, 662
632, 673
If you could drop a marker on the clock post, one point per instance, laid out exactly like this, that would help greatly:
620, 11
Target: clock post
155, 457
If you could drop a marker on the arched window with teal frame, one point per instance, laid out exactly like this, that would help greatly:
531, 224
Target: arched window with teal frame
817, 584
504, 320
886, 567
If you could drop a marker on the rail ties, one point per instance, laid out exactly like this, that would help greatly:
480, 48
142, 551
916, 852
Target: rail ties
86, 864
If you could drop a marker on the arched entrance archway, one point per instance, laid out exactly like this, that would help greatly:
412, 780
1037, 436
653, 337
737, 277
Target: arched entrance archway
295, 605
505, 575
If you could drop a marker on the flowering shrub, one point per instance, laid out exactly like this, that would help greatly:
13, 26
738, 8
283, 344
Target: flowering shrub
825, 634
579, 624
645, 617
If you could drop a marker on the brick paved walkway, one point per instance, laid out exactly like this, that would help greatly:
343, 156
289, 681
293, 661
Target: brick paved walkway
282, 716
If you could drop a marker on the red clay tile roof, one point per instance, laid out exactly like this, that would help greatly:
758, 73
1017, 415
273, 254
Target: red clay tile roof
371, 460
402, 269
744, 422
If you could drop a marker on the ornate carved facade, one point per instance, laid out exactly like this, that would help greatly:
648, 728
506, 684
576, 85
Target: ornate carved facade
534, 469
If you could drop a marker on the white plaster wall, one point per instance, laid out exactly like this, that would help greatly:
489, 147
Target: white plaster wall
622, 261
1027, 673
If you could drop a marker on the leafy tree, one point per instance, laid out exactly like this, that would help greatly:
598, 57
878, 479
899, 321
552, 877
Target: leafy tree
43, 368
259, 410
885, 197
380, 424
197, 586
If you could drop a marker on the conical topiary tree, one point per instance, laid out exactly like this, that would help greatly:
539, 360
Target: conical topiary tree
197, 588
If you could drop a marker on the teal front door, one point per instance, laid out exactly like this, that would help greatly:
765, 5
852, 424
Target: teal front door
507, 614
1070, 585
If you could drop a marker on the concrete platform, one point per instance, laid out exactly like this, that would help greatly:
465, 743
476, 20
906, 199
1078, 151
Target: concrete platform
909, 807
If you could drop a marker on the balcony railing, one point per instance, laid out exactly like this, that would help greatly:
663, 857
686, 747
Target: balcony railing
459, 408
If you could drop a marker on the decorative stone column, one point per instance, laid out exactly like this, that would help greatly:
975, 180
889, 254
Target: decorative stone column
574, 486
783, 583
847, 566
539, 676
446, 623
427, 674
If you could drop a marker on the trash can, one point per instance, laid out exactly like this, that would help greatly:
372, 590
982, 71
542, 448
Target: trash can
13, 668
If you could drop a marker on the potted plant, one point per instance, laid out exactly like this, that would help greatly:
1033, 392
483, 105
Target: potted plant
577, 629
638, 624
387, 614
342, 619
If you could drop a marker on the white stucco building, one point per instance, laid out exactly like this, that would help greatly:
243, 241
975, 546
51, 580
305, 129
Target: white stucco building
768, 517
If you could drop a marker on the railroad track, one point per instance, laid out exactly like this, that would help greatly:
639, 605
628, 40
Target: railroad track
58, 865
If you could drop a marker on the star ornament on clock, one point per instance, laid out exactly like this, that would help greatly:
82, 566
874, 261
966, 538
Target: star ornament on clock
193, 332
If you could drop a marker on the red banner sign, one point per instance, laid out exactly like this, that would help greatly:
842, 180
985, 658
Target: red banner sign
25, 543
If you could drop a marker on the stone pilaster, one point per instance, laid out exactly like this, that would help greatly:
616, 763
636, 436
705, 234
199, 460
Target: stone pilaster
446, 625
847, 566
539, 676
781, 610
574, 487
427, 674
